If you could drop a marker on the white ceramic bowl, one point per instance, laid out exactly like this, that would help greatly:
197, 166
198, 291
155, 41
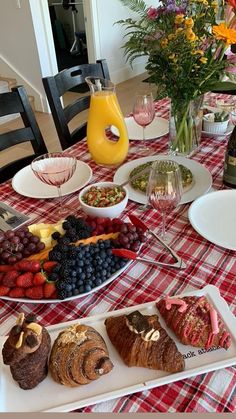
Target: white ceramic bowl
209, 125
111, 211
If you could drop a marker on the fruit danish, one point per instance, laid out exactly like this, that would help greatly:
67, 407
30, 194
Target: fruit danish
142, 342
26, 350
194, 321
79, 355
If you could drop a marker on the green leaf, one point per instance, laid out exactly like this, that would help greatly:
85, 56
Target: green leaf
223, 86
137, 6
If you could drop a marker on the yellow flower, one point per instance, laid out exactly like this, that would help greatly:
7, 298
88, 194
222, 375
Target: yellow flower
222, 33
172, 56
171, 36
179, 30
214, 3
190, 35
189, 23
179, 19
198, 52
203, 60
164, 43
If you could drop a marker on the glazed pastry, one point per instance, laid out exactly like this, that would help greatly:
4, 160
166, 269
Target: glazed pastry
142, 342
194, 321
26, 350
79, 355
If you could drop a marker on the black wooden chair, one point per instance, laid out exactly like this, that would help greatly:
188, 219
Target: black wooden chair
56, 86
15, 102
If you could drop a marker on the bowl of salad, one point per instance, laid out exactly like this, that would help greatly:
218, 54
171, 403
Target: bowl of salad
103, 199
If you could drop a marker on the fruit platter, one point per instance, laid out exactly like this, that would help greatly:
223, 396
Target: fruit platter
44, 263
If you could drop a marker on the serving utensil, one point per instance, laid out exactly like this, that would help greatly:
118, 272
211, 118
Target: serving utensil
179, 263
129, 254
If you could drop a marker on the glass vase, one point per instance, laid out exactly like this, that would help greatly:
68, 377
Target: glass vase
185, 126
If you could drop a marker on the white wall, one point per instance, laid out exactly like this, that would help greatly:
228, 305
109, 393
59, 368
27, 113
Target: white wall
26, 43
111, 39
21, 57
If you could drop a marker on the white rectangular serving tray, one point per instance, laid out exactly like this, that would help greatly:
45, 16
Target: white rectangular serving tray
49, 396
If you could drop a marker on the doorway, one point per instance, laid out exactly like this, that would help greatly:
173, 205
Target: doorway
69, 35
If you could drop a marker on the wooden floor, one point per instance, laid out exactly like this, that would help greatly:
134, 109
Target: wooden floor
125, 93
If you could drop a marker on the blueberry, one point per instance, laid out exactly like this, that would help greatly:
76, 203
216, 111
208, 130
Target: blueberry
80, 282
98, 282
75, 291
87, 288
81, 289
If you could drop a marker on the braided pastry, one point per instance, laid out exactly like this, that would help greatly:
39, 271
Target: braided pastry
195, 322
26, 350
79, 355
142, 342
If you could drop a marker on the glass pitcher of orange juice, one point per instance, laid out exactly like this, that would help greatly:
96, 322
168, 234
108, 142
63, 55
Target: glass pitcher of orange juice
105, 111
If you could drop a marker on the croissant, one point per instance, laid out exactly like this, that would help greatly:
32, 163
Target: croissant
26, 350
195, 322
79, 355
142, 342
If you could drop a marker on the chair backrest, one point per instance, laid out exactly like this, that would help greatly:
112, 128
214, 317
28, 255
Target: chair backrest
15, 102
56, 86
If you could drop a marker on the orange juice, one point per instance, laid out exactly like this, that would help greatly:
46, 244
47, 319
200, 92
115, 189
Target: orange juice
105, 111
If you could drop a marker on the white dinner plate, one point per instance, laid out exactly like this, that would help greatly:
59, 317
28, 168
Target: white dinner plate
27, 184
50, 396
227, 132
156, 129
202, 179
213, 217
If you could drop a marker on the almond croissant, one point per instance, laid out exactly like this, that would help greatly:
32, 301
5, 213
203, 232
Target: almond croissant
142, 342
194, 321
79, 355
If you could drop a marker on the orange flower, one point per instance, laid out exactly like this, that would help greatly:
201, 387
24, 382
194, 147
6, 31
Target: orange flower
225, 34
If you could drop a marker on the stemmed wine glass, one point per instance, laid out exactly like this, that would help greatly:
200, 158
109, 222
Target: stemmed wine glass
55, 169
164, 189
143, 114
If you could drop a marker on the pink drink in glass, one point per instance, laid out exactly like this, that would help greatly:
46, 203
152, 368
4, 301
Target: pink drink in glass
55, 169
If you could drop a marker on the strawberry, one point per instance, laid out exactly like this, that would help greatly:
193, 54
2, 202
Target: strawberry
54, 295
9, 279
25, 280
48, 265
17, 292
34, 293
25, 265
39, 278
48, 289
5, 268
2, 274
4, 290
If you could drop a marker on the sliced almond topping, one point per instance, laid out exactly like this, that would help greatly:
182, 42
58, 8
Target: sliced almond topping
37, 329
20, 341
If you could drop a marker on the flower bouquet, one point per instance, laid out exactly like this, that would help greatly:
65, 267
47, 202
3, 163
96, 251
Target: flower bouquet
185, 42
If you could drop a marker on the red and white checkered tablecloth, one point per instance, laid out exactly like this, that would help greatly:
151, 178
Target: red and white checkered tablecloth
139, 283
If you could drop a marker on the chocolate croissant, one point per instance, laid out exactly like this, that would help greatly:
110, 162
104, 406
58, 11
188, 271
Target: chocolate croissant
26, 350
142, 342
79, 355
195, 322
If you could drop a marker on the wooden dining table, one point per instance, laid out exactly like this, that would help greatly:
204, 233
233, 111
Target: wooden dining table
206, 264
